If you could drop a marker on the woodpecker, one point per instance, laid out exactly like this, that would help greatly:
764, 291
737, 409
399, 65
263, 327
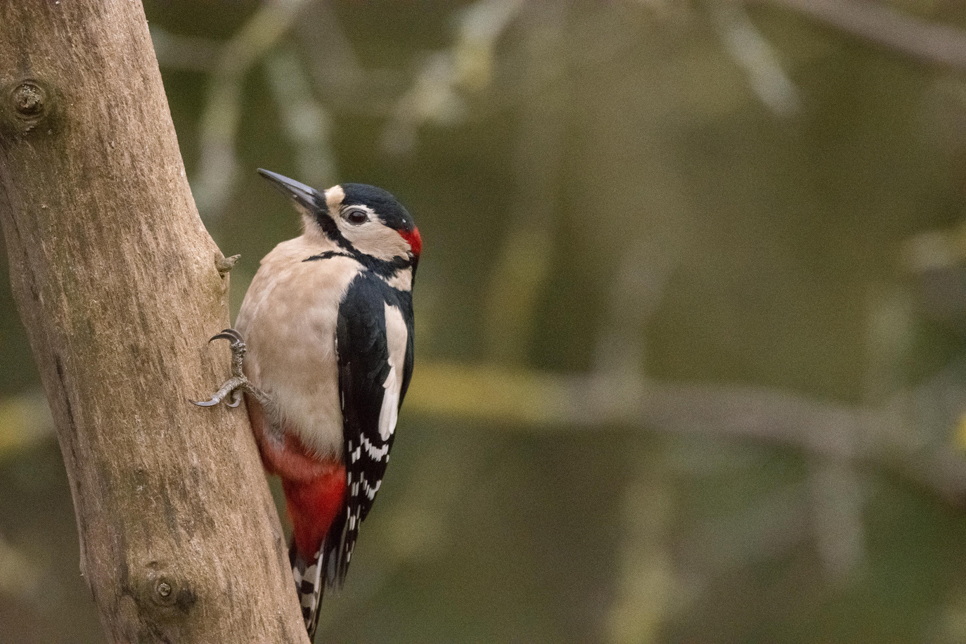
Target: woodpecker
323, 351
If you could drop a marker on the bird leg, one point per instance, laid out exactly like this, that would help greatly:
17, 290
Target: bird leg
238, 383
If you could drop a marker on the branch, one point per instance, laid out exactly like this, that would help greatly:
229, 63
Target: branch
118, 286
306, 121
219, 122
756, 57
876, 437
880, 24
436, 94
184, 52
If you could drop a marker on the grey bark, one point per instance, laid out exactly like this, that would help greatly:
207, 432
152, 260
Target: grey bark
119, 287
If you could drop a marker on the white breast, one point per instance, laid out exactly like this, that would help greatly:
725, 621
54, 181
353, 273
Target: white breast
288, 321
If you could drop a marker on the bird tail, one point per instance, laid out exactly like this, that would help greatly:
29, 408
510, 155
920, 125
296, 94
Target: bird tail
309, 584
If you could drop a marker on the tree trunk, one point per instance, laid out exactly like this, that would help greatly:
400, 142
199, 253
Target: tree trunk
120, 286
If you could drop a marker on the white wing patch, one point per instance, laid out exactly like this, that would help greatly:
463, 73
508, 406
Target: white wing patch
396, 337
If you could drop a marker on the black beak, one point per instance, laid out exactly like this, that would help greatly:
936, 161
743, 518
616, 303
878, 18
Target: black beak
302, 194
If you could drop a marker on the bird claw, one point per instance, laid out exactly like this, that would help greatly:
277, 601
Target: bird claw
233, 387
205, 403
236, 398
238, 383
228, 334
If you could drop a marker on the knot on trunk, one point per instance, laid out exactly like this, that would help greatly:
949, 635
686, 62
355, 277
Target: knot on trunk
29, 99
167, 589
26, 104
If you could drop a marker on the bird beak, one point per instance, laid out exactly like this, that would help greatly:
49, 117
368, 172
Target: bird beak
303, 195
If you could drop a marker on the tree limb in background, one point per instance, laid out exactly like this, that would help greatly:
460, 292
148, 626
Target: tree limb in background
759, 61
437, 92
119, 287
219, 122
881, 24
24, 420
185, 52
523, 266
339, 76
646, 579
305, 120
886, 438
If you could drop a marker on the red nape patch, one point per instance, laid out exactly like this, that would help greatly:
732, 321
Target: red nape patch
415, 241
313, 506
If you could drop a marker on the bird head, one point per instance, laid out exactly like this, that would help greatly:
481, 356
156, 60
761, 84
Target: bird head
356, 217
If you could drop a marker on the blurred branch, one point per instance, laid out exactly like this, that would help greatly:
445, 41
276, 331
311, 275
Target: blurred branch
523, 268
336, 69
839, 490
219, 122
24, 420
756, 57
647, 579
636, 292
647, 586
838, 499
767, 528
335, 62
432, 98
867, 436
881, 24
598, 44
19, 576
305, 120
184, 52
436, 94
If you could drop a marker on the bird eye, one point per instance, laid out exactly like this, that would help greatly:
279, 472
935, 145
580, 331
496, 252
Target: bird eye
356, 217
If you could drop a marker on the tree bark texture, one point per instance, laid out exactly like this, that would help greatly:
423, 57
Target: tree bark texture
120, 286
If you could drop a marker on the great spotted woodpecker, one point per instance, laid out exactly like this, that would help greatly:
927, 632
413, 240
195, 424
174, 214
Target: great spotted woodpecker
323, 350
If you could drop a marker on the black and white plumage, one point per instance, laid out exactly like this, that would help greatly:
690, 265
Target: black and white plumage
327, 325
309, 585
375, 350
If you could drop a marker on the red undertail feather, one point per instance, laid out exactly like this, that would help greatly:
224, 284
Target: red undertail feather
313, 506
315, 491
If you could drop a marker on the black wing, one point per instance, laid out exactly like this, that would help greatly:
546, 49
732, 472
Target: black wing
364, 367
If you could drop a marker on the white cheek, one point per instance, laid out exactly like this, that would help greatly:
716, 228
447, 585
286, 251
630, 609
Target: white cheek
345, 228
375, 239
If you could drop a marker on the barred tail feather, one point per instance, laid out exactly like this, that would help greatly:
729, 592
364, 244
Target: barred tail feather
309, 584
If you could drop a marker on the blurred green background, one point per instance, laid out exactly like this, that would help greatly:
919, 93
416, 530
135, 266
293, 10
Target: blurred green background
691, 312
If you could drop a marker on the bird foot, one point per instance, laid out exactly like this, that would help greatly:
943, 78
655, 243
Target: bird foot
238, 383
